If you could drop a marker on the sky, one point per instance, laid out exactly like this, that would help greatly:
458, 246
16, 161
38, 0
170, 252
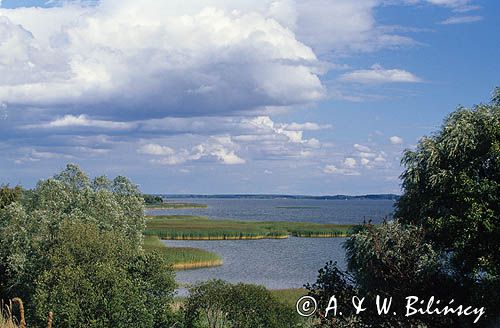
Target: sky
311, 97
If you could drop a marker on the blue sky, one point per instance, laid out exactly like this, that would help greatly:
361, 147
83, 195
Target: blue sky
276, 96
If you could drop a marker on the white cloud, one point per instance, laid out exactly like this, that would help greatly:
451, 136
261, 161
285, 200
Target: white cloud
332, 169
350, 163
362, 148
365, 162
222, 149
378, 74
308, 126
162, 57
154, 149
81, 121
395, 140
461, 20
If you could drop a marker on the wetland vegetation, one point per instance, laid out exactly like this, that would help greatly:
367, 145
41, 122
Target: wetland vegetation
182, 258
187, 227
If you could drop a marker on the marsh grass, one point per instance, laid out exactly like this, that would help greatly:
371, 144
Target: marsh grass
179, 227
182, 258
289, 296
7, 320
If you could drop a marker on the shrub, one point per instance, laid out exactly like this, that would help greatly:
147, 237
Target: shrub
217, 303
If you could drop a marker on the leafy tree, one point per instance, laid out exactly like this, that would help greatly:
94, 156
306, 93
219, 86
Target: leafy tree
446, 238
452, 189
390, 260
217, 303
72, 241
97, 278
152, 199
10, 195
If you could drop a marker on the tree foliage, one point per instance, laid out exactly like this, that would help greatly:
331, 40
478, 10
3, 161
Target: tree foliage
10, 195
218, 304
75, 248
452, 189
445, 241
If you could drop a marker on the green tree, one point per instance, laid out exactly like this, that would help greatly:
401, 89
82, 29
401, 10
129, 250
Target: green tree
452, 189
97, 278
445, 241
389, 260
72, 241
10, 195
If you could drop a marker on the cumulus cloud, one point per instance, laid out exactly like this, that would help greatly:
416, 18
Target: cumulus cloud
153, 59
395, 140
308, 126
461, 20
350, 163
332, 169
378, 74
155, 149
81, 121
222, 149
362, 148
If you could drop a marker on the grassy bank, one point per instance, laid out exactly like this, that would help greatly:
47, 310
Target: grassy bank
173, 206
289, 296
183, 258
185, 227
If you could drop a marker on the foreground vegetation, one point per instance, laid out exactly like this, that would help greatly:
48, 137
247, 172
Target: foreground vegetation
74, 246
182, 258
198, 227
444, 242
216, 303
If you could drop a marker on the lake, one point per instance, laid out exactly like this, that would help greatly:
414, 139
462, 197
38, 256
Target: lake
275, 263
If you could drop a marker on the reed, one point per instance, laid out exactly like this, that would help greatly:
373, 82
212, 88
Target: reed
7, 320
22, 322
178, 227
182, 258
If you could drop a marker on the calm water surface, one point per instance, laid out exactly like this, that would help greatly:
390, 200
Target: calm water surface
321, 211
275, 263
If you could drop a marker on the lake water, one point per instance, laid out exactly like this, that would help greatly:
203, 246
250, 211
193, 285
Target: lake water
320, 211
275, 263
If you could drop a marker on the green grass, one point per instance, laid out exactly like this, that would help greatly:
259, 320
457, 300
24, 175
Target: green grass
202, 228
182, 257
171, 206
289, 296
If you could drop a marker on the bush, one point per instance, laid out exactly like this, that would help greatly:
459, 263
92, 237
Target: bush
217, 303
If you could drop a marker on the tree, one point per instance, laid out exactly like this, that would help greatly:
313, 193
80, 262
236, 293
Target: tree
97, 278
75, 247
10, 195
452, 190
445, 241
389, 260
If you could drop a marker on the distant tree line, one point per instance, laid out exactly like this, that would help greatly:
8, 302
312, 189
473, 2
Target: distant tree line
152, 199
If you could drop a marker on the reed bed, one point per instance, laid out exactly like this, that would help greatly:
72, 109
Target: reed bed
9, 320
183, 258
179, 227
